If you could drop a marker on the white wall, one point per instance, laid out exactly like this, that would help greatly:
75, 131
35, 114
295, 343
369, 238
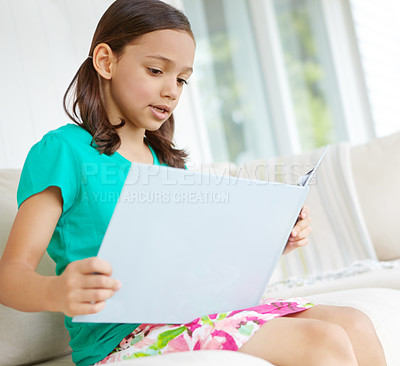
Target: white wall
377, 28
43, 42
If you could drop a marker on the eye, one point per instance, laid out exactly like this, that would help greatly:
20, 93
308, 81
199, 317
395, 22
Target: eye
154, 71
181, 82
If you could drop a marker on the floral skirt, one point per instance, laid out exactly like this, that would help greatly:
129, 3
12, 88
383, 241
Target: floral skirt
222, 331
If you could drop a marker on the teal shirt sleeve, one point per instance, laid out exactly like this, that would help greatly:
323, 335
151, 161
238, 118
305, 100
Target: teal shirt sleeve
50, 162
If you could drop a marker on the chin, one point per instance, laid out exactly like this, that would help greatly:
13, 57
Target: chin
154, 126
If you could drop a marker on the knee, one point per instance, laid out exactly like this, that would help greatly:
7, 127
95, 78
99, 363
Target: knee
357, 322
324, 334
329, 344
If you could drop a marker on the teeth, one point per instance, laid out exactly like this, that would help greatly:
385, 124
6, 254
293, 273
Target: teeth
159, 109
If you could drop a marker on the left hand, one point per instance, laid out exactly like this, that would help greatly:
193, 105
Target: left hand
298, 236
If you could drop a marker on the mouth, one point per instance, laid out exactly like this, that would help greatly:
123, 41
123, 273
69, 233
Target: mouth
161, 108
160, 111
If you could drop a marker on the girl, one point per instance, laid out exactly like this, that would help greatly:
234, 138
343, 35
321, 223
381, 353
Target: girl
125, 92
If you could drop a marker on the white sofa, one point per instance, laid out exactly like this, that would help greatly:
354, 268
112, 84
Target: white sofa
352, 259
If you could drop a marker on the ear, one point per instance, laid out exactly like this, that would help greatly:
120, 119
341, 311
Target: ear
103, 60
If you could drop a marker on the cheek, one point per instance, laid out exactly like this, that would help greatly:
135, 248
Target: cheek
129, 89
141, 87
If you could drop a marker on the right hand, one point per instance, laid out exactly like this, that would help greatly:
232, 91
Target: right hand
83, 287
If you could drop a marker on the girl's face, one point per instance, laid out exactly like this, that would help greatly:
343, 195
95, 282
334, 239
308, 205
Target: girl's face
148, 78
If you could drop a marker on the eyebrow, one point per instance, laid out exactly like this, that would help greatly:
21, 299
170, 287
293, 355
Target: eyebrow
167, 60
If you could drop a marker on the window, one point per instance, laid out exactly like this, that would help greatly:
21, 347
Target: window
377, 30
254, 107
228, 73
310, 72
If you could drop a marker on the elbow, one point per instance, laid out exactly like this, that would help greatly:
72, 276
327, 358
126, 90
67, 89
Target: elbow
2, 289
4, 283
3, 276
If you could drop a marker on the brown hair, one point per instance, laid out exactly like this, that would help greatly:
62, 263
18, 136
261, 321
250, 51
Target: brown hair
122, 23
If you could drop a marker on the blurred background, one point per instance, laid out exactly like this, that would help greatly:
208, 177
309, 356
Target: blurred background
272, 77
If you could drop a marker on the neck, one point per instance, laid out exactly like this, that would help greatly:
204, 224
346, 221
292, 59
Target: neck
133, 146
131, 136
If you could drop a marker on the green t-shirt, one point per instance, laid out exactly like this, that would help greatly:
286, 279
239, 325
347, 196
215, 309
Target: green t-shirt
90, 185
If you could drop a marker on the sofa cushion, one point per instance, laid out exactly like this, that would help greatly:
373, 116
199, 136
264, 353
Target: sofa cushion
8, 202
381, 305
62, 361
358, 275
42, 334
376, 171
192, 358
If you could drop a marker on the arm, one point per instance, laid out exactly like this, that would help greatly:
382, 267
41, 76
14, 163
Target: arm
77, 291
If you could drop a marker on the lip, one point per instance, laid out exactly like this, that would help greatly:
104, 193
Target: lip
158, 113
162, 106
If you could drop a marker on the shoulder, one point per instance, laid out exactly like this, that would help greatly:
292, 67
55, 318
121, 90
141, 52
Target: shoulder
59, 150
68, 140
69, 134
55, 160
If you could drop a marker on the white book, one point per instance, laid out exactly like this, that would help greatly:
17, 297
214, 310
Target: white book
186, 244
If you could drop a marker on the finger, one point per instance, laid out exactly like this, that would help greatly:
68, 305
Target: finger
300, 226
100, 281
300, 243
302, 234
303, 214
94, 265
86, 308
289, 247
95, 296
305, 211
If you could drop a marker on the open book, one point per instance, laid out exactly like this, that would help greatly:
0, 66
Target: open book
306, 178
186, 244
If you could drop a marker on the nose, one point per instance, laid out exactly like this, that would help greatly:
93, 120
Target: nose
170, 89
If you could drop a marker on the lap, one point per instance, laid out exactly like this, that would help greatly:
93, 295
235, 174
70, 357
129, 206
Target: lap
341, 315
222, 331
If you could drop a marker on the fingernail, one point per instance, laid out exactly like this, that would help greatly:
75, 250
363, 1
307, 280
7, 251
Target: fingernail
119, 285
294, 232
303, 215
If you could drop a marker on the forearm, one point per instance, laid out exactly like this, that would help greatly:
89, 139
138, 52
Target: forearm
23, 289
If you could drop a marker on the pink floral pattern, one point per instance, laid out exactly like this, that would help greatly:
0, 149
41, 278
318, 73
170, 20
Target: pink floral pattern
223, 331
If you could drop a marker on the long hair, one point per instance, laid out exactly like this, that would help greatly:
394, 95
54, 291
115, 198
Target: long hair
122, 23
